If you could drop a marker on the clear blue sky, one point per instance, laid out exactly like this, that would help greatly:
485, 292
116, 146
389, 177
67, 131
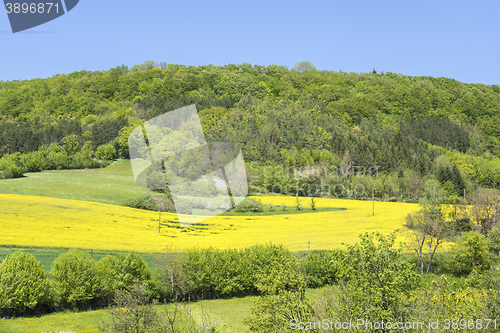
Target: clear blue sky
456, 39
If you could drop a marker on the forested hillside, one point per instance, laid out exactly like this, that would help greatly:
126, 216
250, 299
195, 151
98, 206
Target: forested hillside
409, 128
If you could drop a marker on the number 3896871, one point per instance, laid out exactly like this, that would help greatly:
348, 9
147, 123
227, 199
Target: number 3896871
24, 8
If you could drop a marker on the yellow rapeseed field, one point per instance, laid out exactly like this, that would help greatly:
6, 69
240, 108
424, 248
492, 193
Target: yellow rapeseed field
41, 221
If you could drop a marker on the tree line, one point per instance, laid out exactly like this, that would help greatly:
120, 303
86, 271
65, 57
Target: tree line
289, 117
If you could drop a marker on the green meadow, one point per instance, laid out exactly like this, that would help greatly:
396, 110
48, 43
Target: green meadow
112, 185
227, 313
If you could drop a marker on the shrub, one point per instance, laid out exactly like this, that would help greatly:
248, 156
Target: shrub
494, 240
134, 313
313, 203
470, 252
320, 268
59, 160
445, 300
12, 171
23, 285
249, 205
151, 203
107, 276
32, 162
463, 225
105, 152
129, 269
199, 188
284, 302
168, 281
230, 272
71, 145
76, 280
375, 282
12, 165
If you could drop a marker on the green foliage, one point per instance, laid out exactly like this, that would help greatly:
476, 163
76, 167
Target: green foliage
304, 66
393, 121
494, 240
283, 302
226, 273
313, 203
71, 145
470, 252
75, 279
11, 171
47, 158
129, 269
169, 281
23, 285
122, 139
134, 313
105, 152
249, 205
149, 202
87, 151
320, 268
105, 269
375, 281
452, 182
463, 225
87, 135
437, 130
451, 301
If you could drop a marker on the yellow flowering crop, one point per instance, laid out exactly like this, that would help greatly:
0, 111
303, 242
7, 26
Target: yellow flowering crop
41, 221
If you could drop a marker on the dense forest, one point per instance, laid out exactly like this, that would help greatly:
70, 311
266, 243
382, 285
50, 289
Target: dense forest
408, 129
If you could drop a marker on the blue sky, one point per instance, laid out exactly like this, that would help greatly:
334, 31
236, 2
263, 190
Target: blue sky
456, 39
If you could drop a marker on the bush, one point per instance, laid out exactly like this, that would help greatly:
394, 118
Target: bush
59, 160
134, 313
105, 152
120, 272
33, 162
463, 225
129, 269
249, 205
494, 240
469, 253
320, 268
375, 283
12, 171
107, 276
168, 281
23, 285
151, 203
71, 145
211, 272
283, 302
76, 280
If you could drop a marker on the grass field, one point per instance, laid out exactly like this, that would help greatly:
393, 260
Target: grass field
113, 185
228, 313
49, 222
